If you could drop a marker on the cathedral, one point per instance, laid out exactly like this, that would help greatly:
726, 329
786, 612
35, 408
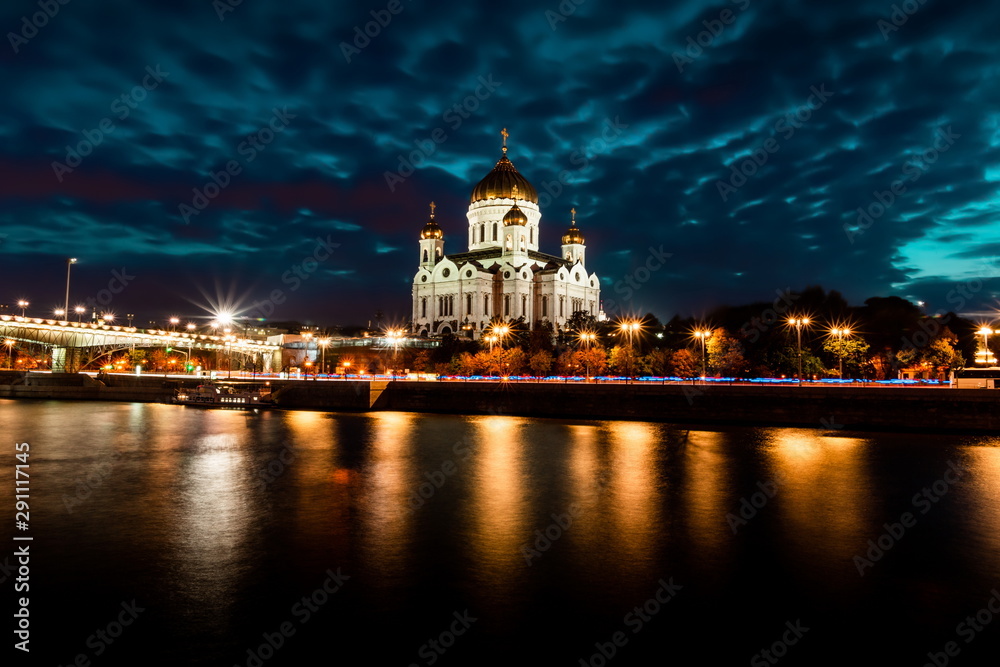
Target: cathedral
503, 275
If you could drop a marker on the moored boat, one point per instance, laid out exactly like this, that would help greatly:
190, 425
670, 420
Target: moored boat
225, 396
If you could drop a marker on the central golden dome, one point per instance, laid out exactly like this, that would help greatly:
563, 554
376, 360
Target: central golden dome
500, 183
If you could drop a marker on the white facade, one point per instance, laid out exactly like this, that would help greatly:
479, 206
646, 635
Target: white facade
503, 274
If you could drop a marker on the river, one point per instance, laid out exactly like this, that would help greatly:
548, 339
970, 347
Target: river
172, 535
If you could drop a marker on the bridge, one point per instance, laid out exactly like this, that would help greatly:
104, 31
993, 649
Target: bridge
69, 340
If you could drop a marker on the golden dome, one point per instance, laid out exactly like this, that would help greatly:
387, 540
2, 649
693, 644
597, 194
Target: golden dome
500, 183
515, 216
432, 230
573, 234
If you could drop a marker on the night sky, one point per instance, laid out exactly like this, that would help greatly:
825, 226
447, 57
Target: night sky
615, 105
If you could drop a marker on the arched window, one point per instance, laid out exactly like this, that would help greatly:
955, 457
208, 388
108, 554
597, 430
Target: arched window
524, 305
468, 304
425, 255
438, 252
494, 231
482, 233
531, 231
510, 243
545, 306
423, 307
506, 305
486, 305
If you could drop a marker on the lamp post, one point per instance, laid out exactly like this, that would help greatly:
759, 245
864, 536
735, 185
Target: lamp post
323, 343
798, 323
22, 304
59, 312
703, 335
174, 321
587, 338
10, 346
79, 312
987, 355
69, 263
630, 328
840, 333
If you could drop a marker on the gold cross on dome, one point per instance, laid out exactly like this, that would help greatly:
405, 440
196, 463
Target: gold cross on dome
573, 211
433, 206
504, 133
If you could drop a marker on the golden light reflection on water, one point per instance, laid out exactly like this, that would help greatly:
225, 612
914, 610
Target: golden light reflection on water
823, 495
389, 479
979, 495
705, 498
499, 502
634, 499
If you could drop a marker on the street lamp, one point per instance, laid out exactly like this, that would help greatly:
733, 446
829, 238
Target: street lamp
69, 263
130, 317
703, 335
988, 357
323, 343
798, 323
22, 304
59, 312
840, 333
80, 310
630, 327
10, 346
174, 321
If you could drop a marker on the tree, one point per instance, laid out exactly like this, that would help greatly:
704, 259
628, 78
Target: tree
422, 361
624, 361
851, 351
725, 354
684, 363
594, 361
658, 361
541, 363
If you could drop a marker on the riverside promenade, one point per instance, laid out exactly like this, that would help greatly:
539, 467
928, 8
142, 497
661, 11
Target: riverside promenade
822, 407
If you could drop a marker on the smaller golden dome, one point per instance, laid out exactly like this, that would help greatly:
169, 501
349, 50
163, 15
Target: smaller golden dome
432, 230
573, 234
515, 216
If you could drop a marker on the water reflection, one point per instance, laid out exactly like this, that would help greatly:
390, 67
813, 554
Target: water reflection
634, 501
498, 513
705, 492
389, 479
216, 509
824, 498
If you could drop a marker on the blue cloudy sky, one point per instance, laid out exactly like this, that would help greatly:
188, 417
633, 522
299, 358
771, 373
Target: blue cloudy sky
639, 114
